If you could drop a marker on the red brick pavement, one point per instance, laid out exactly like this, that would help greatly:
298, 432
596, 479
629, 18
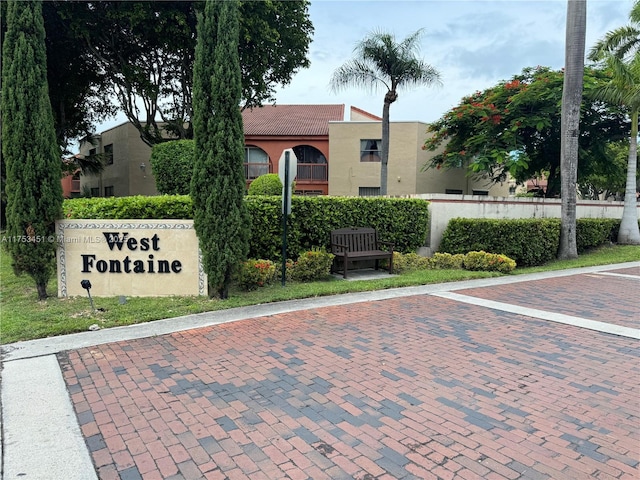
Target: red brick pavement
603, 298
416, 387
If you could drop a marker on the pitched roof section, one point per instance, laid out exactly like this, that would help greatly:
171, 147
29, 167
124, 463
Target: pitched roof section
359, 114
291, 120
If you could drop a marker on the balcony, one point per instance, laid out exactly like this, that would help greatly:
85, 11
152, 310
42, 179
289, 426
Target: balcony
312, 173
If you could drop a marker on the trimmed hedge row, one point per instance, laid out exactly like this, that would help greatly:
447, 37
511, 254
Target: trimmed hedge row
399, 220
529, 242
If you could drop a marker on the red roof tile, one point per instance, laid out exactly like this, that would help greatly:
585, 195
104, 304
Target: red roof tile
291, 120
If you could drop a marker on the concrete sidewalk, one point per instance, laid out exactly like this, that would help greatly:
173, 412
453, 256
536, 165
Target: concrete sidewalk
43, 438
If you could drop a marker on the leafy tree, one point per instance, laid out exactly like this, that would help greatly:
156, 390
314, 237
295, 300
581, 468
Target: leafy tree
607, 179
513, 129
147, 50
620, 50
172, 164
382, 61
217, 187
570, 124
32, 156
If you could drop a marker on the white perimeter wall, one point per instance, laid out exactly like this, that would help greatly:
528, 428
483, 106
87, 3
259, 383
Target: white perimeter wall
443, 208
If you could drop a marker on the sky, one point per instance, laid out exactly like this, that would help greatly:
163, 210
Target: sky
474, 44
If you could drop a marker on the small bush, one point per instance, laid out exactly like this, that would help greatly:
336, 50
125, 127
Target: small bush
268, 184
256, 273
442, 261
488, 262
312, 265
409, 262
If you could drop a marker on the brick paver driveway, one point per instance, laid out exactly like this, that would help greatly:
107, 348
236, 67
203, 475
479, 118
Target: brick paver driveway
415, 387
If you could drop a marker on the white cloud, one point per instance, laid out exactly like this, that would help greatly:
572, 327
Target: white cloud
473, 43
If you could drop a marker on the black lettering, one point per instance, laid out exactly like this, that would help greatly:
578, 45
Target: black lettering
102, 266
138, 266
144, 244
127, 264
176, 266
155, 239
132, 244
115, 266
87, 263
150, 262
163, 266
115, 239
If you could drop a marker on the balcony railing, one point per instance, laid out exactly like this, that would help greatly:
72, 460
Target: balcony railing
312, 172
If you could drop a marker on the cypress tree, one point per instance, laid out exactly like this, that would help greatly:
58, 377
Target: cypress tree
217, 186
29, 147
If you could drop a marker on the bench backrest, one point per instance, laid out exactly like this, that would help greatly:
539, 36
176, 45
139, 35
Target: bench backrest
356, 239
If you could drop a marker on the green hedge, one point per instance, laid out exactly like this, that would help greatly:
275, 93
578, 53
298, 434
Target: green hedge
528, 241
161, 207
402, 221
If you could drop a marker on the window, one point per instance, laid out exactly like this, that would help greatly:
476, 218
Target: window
312, 164
108, 191
256, 162
108, 154
369, 191
482, 193
453, 191
95, 192
370, 150
92, 152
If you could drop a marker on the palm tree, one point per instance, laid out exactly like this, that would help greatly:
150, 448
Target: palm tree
381, 61
570, 123
620, 51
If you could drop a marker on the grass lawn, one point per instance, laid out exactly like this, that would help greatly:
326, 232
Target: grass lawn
23, 317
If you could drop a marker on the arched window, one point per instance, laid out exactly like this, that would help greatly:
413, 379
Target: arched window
312, 164
256, 162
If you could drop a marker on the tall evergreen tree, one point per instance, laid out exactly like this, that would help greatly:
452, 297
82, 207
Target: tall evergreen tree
217, 186
29, 147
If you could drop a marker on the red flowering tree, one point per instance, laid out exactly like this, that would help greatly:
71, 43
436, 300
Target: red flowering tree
513, 129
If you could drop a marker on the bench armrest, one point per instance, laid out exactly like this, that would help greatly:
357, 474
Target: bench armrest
342, 247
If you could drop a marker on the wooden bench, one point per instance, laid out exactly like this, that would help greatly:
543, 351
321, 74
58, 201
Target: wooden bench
352, 244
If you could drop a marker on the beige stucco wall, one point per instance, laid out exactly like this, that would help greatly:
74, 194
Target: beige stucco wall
84, 251
125, 174
406, 159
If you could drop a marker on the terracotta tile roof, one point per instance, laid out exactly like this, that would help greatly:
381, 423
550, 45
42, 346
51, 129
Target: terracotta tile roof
296, 120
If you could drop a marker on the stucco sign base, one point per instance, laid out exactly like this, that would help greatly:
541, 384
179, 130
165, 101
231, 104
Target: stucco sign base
129, 257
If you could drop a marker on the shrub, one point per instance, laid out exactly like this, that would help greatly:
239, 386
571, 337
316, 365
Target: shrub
160, 207
532, 241
528, 242
172, 166
488, 262
442, 261
593, 232
409, 262
256, 273
312, 265
268, 184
